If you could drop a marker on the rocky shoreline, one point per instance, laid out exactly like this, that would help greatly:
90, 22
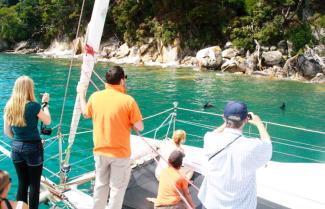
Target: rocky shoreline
273, 62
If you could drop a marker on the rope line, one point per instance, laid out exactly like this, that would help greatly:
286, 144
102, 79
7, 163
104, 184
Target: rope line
71, 64
278, 138
298, 156
97, 75
160, 113
266, 122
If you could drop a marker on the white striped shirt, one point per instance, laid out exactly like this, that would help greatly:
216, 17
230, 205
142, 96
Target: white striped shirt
230, 180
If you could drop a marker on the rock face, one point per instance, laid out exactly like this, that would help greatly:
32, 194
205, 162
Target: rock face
272, 57
209, 57
123, 51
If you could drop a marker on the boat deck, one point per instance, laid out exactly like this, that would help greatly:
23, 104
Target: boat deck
144, 184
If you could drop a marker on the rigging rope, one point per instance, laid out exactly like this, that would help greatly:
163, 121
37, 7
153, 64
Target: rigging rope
70, 68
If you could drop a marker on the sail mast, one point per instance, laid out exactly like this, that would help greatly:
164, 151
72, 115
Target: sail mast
93, 38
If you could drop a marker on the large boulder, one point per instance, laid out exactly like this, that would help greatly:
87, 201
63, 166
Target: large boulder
209, 57
308, 67
272, 57
123, 51
20, 46
229, 53
3, 45
233, 65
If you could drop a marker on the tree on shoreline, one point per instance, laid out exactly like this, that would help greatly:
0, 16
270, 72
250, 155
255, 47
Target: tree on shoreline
196, 23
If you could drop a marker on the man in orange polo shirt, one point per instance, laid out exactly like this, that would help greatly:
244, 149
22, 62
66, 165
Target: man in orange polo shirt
113, 113
172, 184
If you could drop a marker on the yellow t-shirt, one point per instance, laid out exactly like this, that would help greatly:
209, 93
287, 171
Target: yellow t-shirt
113, 114
167, 194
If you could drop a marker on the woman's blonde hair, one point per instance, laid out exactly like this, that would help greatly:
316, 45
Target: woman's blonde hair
22, 92
179, 136
4, 180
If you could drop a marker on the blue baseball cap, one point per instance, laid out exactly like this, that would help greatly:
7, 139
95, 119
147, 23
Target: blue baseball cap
235, 110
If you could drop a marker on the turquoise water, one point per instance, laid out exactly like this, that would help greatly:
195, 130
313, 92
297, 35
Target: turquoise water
156, 89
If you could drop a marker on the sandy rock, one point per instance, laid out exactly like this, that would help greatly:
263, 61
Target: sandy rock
233, 65
319, 78
228, 45
189, 61
229, 53
209, 57
272, 57
123, 51
21, 45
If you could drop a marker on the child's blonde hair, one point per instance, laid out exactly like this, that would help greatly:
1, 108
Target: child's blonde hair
179, 136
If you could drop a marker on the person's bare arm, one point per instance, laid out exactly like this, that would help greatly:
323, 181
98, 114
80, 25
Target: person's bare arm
188, 197
256, 120
138, 125
44, 115
7, 129
81, 90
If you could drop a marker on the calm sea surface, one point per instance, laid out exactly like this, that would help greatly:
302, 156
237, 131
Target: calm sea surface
155, 90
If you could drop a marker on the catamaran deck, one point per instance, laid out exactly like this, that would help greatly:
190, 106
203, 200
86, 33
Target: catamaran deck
279, 185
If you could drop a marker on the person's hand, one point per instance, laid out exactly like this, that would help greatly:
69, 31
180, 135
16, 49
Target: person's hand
45, 98
256, 120
81, 88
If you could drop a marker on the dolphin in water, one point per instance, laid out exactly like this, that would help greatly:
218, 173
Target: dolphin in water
283, 106
207, 105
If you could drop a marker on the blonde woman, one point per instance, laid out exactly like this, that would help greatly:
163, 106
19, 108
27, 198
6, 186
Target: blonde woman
21, 116
5, 183
179, 138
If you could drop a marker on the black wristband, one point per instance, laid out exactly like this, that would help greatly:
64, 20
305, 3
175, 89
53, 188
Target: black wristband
44, 104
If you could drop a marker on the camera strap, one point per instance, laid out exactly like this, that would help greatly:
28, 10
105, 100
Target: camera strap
224, 147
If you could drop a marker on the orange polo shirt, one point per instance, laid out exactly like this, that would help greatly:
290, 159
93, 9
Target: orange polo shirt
113, 114
167, 194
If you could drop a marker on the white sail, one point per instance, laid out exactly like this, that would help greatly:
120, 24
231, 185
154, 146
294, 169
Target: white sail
93, 38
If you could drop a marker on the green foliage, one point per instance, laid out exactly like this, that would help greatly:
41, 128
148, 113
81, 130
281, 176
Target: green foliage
300, 35
196, 23
11, 28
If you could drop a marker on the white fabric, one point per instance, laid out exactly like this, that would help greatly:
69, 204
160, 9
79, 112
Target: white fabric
19, 205
230, 180
166, 148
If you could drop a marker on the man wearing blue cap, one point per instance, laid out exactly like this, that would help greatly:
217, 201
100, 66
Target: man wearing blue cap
232, 160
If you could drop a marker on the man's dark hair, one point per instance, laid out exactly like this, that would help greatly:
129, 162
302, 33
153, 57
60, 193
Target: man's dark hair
114, 75
176, 159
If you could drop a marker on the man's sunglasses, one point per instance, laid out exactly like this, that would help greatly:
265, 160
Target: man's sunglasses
126, 77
